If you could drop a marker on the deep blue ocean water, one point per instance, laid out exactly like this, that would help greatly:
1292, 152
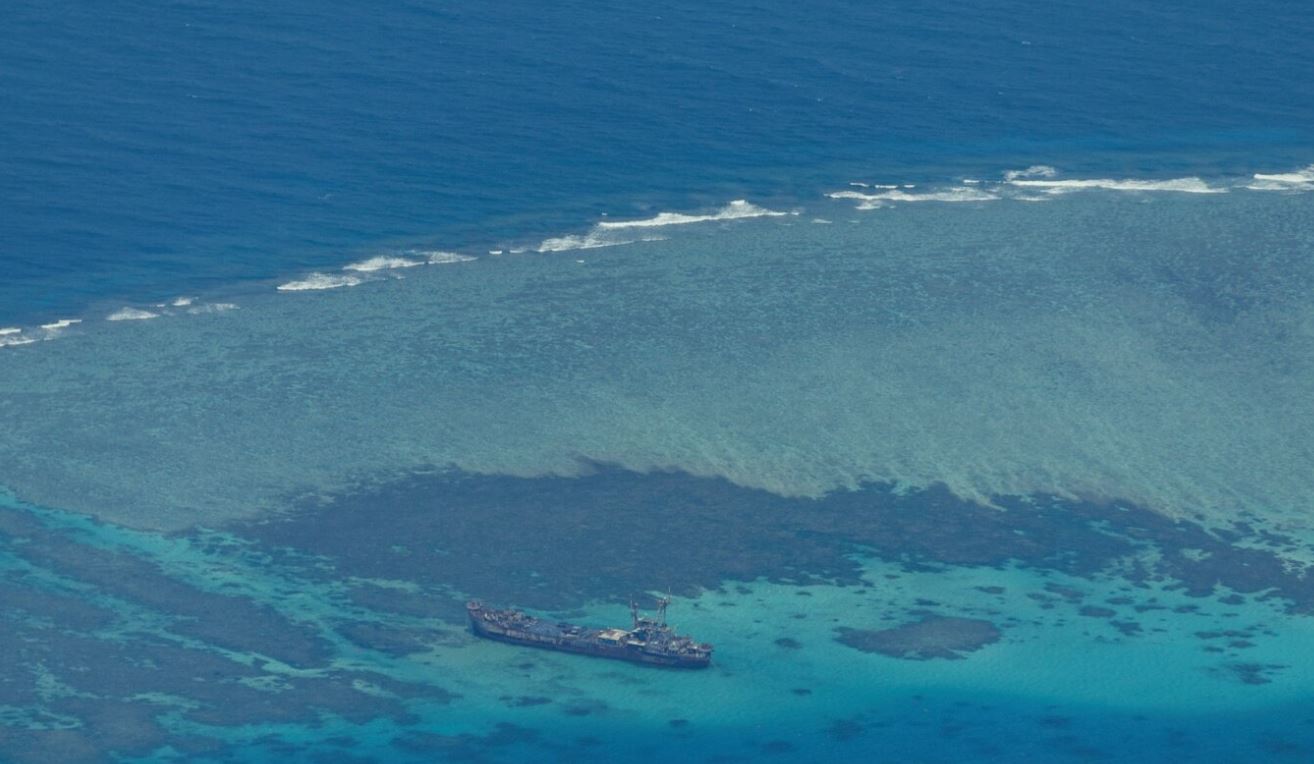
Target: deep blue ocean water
980, 331
152, 147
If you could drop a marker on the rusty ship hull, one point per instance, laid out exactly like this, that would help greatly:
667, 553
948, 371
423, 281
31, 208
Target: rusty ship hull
648, 642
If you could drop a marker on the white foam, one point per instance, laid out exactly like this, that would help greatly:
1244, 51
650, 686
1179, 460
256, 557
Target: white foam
381, 263
1305, 175
131, 314
1034, 171
318, 281
213, 307
592, 240
1180, 185
12, 340
182, 302
9, 330
611, 233
444, 258
1300, 180
883, 199
735, 210
62, 323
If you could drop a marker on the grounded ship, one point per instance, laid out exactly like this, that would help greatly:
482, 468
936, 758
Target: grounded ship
649, 640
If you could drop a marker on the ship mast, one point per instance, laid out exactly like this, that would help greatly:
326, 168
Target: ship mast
662, 602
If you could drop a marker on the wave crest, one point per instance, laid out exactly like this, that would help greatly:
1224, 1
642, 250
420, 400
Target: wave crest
131, 314
318, 281
1190, 185
883, 199
735, 210
381, 263
1034, 171
439, 257
1300, 180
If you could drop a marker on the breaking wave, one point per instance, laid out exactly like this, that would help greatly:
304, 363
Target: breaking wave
10, 336
1041, 182
1181, 185
438, 257
614, 233
131, 314
1300, 180
594, 239
381, 263
735, 210
884, 198
1034, 171
319, 281
13, 336
213, 307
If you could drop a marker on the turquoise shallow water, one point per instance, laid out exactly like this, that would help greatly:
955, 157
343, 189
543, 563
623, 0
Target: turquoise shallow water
1066, 679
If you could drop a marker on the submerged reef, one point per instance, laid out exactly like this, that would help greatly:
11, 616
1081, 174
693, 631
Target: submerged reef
930, 637
556, 542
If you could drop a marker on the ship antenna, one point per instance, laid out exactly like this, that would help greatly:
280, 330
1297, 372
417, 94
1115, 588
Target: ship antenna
662, 602
634, 612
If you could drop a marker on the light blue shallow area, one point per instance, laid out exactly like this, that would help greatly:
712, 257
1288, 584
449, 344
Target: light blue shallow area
1149, 345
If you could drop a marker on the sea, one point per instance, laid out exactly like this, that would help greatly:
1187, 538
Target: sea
949, 365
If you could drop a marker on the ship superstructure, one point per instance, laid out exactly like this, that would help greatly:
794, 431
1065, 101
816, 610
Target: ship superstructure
648, 640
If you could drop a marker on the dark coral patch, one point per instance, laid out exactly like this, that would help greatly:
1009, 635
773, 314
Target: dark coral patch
1128, 628
925, 639
556, 543
1252, 673
844, 730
